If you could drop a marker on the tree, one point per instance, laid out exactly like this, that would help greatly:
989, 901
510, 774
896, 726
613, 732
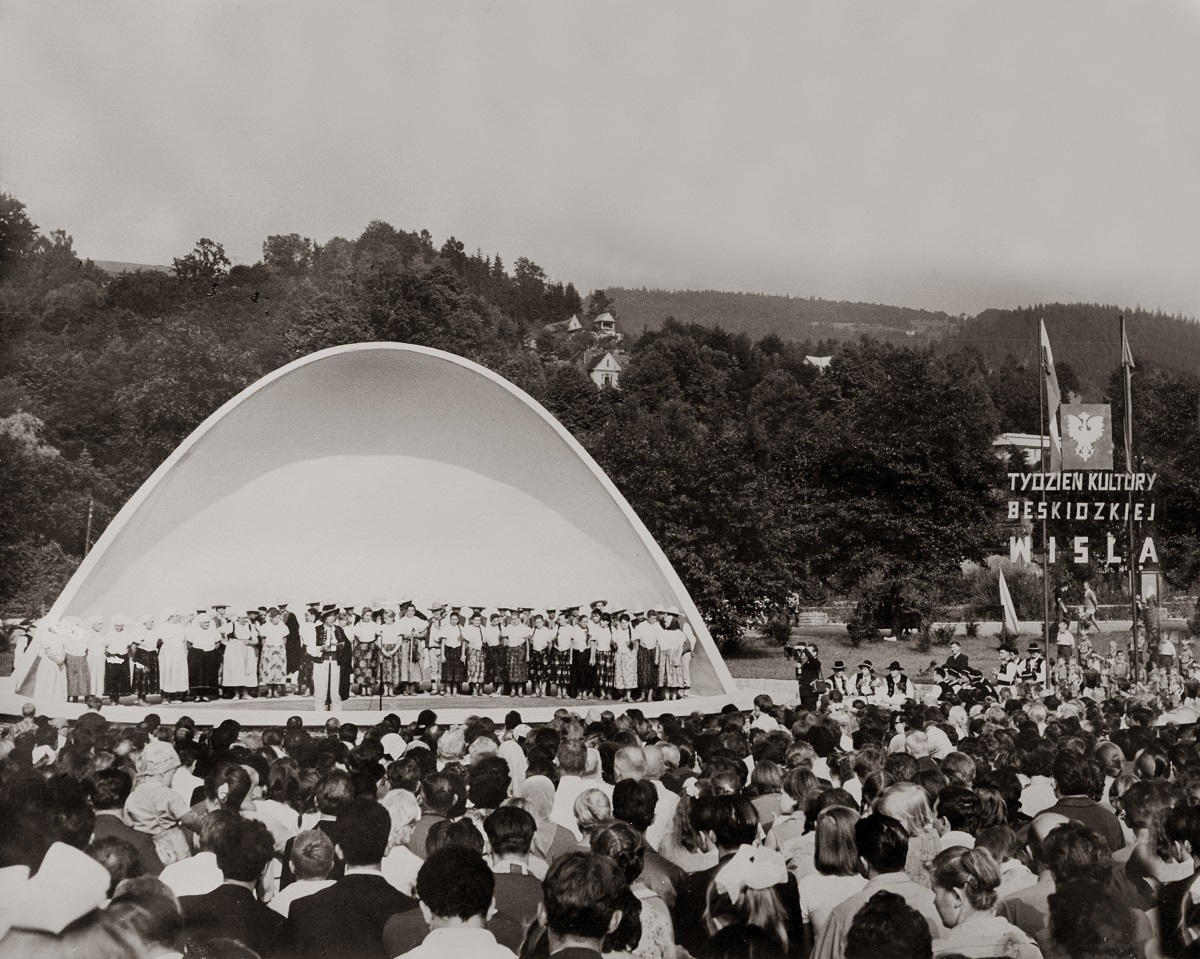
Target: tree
206, 262
288, 255
17, 233
600, 302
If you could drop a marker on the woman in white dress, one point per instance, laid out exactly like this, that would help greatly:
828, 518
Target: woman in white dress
95, 654
273, 663
50, 680
240, 662
75, 645
172, 655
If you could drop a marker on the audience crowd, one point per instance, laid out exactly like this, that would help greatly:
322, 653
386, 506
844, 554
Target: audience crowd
1010, 826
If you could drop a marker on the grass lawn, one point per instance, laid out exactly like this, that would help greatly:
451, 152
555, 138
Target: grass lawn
761, 658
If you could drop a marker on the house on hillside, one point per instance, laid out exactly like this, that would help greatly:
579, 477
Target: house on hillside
604, 366
604, 327
564, 326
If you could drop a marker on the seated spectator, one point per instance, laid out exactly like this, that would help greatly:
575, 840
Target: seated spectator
437, 796
626, 847
592, 809
352, 912
1087, 921
581, 897
788, 827
148, 908
964, 891
200, 874
887, 927
1077, 782
883, 849
746, 889
312, 861
232, 910
551, 840
742, 941
837, 876
1004, 846
634, 803
455, 888
518, 891
958, 811
110, 789
766, 781
906, 803
119, 857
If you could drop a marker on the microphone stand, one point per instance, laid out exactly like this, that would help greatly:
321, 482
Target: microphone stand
379, 667
328, 672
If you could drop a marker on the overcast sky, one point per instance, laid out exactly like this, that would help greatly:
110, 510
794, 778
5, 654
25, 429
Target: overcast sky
946, 155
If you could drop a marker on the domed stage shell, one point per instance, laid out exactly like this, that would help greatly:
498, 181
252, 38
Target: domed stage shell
378, 470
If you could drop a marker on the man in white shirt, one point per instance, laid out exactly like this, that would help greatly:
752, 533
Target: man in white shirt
454, 883
312, 861
664, 810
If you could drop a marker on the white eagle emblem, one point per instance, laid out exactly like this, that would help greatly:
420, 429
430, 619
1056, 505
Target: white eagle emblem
1086, 431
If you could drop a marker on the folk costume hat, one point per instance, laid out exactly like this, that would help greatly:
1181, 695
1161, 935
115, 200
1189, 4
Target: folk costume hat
895, 665
867, 664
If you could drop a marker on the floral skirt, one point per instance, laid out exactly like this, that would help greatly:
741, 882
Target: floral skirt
454, 670
272, 666
365, 663
539, 665
560, 666
476, 665
516, 667
625, 669
603, 670
145, 672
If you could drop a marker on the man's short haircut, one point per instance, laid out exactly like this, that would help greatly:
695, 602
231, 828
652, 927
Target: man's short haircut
1075, 852
362, 832
110, 788
119, 856
581, 893
572, 758
734, 821
634, 802
334, 792
456, 883
959, 768
1073, 774
488, 781
510, 831
959, 806
887, 927
244, 850
460, 832
438, 793
882, 842
312, 855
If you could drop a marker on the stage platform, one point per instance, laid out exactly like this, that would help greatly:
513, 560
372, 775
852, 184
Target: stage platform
367, 712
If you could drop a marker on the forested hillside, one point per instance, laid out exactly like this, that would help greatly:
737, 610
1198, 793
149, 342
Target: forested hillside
1083, 335
763, 479
802, 319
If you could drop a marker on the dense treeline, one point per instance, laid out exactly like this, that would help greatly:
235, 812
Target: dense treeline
763, 479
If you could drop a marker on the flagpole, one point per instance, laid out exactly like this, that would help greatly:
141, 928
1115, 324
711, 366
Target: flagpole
1042, 401
1127, 379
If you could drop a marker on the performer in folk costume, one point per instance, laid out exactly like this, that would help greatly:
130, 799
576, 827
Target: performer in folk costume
172, 655
347, 620
96, 654
116, 657
364, 656
273, 661
808, 673
896, 689
646, 632
475, 648
239, 661
601, 635
541, 650
494, 654
625, 655
582, 671
670, 661
839, 682
328, 651
564, 642
415, 648
143, 651
395, 651
439, 627
689, 647
454, 665
517, 638
308, 636
1009, 668
203, 657
864, 682
75, 648
293, 645
50, 678
1035, 665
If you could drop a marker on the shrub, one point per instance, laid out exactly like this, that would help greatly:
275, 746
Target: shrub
943, 635
779, 629
983, 592
972, 627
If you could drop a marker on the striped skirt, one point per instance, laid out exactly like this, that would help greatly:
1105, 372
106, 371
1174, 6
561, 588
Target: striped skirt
516, 666
604, 670
647, 668
454, 670
78, 680
560, 667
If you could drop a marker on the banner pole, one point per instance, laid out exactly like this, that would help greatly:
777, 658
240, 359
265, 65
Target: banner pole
1044, 450
1130, 465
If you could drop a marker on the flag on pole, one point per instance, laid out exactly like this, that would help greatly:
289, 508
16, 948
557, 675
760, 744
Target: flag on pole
1127, 368
1053, 399
1006, 603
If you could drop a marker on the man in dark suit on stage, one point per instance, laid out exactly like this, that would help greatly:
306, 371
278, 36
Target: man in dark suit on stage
347, 919
294, 645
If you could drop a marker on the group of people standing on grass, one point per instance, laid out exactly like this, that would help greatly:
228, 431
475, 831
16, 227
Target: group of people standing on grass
333, 653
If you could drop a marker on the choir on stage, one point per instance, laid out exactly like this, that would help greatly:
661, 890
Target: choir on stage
335, 653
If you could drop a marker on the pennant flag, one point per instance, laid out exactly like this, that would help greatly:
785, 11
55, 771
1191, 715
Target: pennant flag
1127, 368
1053, 399
1010, 612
